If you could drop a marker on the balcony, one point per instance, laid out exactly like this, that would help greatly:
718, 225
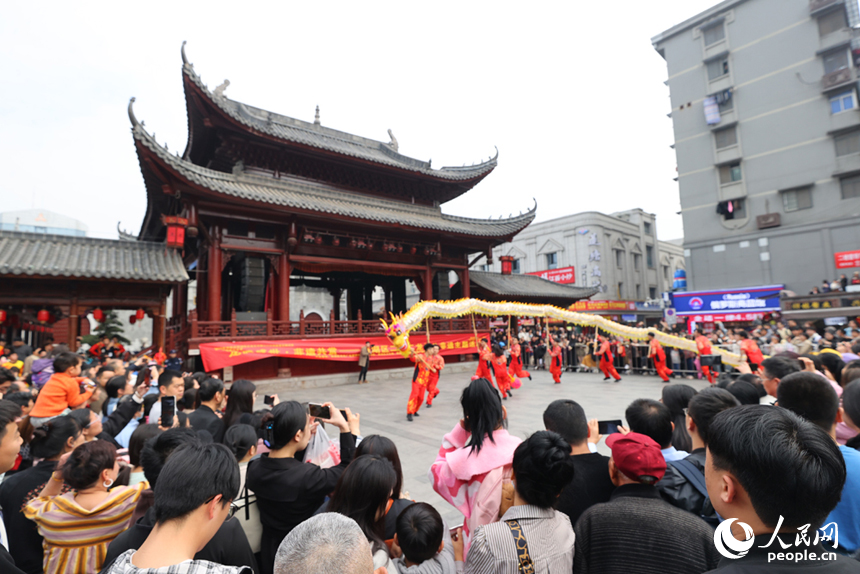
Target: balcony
819, 7
728, 154
838, 79
734, 190
834, 40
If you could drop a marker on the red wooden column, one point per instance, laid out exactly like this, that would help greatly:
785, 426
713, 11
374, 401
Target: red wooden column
158, 327
214, 279
464, 279
284, 287
427, 292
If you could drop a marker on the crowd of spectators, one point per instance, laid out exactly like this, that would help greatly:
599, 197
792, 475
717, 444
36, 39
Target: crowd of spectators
102, 474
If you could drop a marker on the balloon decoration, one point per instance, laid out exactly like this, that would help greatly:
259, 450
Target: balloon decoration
398, 330
99, 315
43, 316
139, 314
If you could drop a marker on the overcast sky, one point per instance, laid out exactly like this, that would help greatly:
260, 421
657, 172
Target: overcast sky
571, 92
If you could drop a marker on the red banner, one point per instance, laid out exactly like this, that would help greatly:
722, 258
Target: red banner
219, 355
563, 275
847, 259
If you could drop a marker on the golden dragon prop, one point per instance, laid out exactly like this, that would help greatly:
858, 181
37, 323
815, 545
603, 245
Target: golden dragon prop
398, 330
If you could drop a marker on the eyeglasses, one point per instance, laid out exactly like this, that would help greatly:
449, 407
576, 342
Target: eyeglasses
234, 508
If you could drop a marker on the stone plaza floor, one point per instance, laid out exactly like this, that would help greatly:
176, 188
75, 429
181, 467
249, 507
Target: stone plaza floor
382, 407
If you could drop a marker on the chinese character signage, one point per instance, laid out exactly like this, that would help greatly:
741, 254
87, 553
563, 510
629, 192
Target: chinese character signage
587, 306
847, 259
219, 355
563, 275
747, 300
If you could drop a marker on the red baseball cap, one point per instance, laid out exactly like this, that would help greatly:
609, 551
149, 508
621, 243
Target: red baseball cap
636, 455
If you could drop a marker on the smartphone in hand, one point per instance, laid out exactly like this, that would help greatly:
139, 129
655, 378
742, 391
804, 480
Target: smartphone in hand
318, 411
168, 411
608, 427
269, 400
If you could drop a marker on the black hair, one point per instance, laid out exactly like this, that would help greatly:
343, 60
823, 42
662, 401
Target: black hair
428, 346
283, 422
239, 439
189, 397
20, 398
209, 388
651, 334
790, 468
64, 361
810, 396
197, 474
651, 418
50, 439
138, 439
383, 446
707, 404
745, 392
851, 401
482, 412
166, 378
744, 335
102, 371
497, 350
9, 412
566, 418
542, 467
86, 463
157, 451
362, 490
83, 416
240, 399
753, 379
834, 365
114, 385
6, 375
779, 367
677, 397
419, 532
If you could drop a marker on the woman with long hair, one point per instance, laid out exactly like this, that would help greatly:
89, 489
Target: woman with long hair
50, 442
474, 460
676, 397
79, 525
240, 400
241, 439
362, 493
289, 490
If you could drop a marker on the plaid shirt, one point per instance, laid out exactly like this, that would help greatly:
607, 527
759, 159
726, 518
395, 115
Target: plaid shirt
123, 565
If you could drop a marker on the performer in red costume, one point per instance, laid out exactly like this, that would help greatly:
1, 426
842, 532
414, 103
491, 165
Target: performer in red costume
420, 380
500, 367
516, 367
99, 350
555, 358
750, 352
704, 347
606, 366
438, 363
656, 352
485, 356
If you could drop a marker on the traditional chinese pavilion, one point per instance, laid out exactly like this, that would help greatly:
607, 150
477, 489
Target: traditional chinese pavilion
259, 202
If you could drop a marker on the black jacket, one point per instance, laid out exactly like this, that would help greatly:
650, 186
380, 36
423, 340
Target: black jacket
289, 491
117, 420
7, 563
229, 546
758, 560
678, 491
25, 542
205, 418
590, 485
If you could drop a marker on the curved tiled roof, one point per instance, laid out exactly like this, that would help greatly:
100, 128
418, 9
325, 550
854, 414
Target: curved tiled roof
517, 285
85, 257
308, 196
314, 135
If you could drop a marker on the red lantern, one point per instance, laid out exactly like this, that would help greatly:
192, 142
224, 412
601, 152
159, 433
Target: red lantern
132, 319
175, 230
42, 316
335, 241
2, 316
99, 315
140, 314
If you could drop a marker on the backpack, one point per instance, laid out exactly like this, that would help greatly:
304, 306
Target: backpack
42, 370
697, 478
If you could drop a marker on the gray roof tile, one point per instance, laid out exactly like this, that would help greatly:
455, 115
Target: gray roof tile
518, 285
86, 257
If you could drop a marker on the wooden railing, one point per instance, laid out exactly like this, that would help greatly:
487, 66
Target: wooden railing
209, 331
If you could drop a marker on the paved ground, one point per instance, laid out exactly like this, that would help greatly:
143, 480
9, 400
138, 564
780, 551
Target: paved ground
382, 407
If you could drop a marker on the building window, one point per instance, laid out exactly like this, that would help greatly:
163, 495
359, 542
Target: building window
647, 226
842, 102
637, 260
726, 138
835, 61
848, 143
652, 292
552, 260
850, 187
734, 209
665, 272
619, 258
831, 22
714, 34
649, 256
797, 199
484, 267
730, 173
718, 68
638, 292
515, 266
727, 105
620, 294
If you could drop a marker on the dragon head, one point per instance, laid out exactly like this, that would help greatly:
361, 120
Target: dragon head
395, 332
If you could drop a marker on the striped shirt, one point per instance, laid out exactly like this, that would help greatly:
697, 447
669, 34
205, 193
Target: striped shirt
548, 534
76, 539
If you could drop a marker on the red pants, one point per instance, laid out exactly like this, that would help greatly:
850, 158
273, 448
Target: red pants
416, 397
556, 373
709, 374
608, 369
432, 391
662, 370
504, 384
516, 368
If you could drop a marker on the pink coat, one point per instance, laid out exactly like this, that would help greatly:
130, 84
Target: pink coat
472, 482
